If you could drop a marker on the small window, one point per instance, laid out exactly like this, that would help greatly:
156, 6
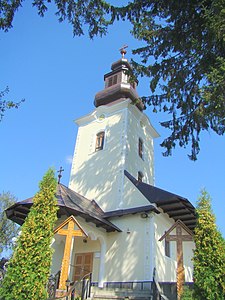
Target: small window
140, 176
140, 148
167, 248
100, 137
112, 80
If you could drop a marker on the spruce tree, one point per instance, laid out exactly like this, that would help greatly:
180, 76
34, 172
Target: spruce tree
29, 268
209, 255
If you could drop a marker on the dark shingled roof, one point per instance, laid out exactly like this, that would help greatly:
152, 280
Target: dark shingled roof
175, 206
131, 211
70, 203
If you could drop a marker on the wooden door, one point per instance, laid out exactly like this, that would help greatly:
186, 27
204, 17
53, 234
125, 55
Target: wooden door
83, 265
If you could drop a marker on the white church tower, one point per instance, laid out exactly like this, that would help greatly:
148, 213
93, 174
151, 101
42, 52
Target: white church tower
115, 137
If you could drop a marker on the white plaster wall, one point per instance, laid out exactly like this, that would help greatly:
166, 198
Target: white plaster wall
58, 248
132, 197
100, 175
127, 255
165, 266
136, 129
188, 262
96, 175
118, 256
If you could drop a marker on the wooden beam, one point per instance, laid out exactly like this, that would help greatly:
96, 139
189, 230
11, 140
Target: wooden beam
179, 213
73, 232
184, 238
66, 257
23, 208
185, 217
18, 213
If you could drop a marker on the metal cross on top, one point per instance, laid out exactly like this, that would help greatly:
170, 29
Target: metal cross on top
123, 51
60, 174
179, 238
69, 228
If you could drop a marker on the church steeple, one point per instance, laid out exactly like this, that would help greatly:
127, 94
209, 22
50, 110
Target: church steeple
119, 85
115, 137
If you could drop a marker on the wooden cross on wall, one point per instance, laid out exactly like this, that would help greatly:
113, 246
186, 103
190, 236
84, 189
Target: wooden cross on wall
179, 238
70, 228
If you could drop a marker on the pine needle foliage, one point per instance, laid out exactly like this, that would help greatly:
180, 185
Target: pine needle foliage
209, 255
29, 268
187, 293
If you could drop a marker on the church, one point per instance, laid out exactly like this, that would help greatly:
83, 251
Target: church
112, 220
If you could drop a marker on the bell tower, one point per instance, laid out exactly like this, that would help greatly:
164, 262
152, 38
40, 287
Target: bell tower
119, 84
115, 137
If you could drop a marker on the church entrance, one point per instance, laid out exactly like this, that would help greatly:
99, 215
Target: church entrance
77, 253
83, 264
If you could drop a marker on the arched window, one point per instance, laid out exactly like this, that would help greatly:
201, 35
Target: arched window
140, 148
140, 176
100, 137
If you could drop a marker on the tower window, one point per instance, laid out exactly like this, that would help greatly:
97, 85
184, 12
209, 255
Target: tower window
112, 80
140, 176
100, 137
140, 148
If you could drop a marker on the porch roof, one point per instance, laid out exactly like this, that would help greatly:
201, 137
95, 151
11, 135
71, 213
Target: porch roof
133, 211
175, 206
70, 203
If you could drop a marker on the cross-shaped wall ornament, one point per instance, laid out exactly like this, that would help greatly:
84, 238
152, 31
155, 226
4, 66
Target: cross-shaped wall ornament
183, 234
70, 228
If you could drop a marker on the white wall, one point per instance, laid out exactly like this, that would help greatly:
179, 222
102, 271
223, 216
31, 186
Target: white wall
129, 255
100, 175
126, 256
118, 256
139, 127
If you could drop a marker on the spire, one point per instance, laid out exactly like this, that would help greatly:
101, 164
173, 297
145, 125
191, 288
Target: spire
118, 84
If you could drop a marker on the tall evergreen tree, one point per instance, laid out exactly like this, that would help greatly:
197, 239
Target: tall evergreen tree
209, 255
183, 54
29, 268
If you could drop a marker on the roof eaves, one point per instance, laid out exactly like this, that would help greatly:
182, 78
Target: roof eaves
135, 210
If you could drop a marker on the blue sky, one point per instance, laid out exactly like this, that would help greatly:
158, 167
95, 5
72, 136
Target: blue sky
58, 76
